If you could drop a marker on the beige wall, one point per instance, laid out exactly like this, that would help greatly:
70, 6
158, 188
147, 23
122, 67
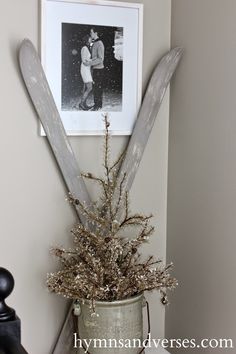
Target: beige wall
202, 173
34, 214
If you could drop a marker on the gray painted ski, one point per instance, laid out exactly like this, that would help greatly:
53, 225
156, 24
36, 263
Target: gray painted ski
154, 95
41, 96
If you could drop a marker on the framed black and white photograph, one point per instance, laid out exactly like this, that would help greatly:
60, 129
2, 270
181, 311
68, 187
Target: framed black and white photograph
91, 52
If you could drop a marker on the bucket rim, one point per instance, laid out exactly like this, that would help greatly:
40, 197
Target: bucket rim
127, 301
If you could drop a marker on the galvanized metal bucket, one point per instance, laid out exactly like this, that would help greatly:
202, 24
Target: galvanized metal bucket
116, 328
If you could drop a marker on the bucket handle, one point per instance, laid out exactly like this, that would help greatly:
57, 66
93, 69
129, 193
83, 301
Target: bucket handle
76, 328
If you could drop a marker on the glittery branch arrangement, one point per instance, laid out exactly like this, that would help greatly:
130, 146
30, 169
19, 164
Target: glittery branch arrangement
104, 264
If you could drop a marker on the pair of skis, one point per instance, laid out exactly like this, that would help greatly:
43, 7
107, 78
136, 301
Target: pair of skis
41, 96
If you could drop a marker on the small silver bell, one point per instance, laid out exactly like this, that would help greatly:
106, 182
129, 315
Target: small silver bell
77, 308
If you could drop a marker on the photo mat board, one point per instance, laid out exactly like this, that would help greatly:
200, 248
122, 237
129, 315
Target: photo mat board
91, 52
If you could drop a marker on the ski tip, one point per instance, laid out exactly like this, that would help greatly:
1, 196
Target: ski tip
166, 67
171, 59
26, 44
179, 51
176, 52
26, 40
26, 51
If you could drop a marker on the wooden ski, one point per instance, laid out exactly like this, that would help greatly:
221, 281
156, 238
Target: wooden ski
43, 101
154, 95
44, 104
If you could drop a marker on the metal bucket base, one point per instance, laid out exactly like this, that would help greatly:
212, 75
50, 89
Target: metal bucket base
115, 322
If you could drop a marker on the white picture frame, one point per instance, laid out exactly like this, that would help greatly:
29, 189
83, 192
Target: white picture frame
63, 24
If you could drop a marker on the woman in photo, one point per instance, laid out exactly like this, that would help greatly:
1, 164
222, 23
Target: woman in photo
85, 71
